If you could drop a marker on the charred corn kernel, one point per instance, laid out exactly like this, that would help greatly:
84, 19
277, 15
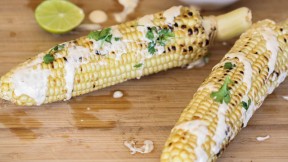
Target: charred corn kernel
228, 97
173, 38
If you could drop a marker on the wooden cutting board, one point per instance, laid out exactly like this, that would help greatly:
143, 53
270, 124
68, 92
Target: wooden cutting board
93, 127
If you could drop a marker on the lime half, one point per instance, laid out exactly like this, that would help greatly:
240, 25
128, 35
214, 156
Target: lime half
58, 16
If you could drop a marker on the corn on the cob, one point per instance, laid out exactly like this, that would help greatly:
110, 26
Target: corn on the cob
227, 99
173, 38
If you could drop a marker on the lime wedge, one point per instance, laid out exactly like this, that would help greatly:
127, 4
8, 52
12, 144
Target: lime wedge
58, 16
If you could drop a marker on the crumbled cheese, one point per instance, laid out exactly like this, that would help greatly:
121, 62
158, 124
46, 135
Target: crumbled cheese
146, 148
263, 138
98, 16
129, 7
117, 94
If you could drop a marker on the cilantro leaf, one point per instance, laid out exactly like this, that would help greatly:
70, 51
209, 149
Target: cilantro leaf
150, 35
138, 65
117, 38
108, 38
228, 65
48, 58
59, 47
164, 36
104, 35
151, 48
246, 105
223, 94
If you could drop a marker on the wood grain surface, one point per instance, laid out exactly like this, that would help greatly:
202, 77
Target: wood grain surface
93, 127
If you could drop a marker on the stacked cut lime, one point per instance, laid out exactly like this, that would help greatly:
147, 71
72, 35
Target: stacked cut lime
58, 16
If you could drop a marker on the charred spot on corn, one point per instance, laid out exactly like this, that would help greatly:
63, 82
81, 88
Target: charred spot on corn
223, 94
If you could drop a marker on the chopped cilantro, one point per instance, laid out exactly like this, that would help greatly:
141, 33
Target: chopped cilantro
138, 65
160, 37
117, 38
104, 35
59, 47
48, 58
164, 36
151, 48
223, 94
150, 35
228, 65
246, 105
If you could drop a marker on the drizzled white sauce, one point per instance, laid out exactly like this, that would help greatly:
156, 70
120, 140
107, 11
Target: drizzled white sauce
285, 97
146, 21
199, 129
116, 46
98, 16
208, 23
260, 139
209, 86
198, 63
146, 148
171, 13
247, 114
117, 94
247, 77
31, 82
143, 23
272, 45
129, 7
281, 77
220, 128
77, 55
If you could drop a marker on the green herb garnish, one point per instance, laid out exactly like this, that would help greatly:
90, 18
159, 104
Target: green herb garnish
48, 58
228, 65
104, 35
138, 65
160, 37
117, 38
57, 48
246, 105
150, 35
164, 36
223, 94
151, 47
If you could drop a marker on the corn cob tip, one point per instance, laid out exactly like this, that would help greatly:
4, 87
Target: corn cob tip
232, 24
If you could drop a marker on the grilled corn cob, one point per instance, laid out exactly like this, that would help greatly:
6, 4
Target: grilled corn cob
173, 38
227, 99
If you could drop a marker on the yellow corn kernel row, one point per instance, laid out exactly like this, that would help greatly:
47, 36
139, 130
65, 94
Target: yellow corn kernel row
97, 71
206, 126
